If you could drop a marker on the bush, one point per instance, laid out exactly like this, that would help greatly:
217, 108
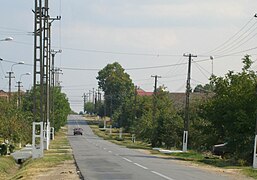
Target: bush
11, 148
101, 125
3, 149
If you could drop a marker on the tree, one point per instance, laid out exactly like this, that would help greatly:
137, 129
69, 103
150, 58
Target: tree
14, 123
207, 88
89, 107
58, 116
165, 126
231, 113
118, 89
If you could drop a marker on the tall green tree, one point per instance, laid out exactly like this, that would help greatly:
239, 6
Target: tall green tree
231, 113
58, 116
15, 124
165, 127
118, 89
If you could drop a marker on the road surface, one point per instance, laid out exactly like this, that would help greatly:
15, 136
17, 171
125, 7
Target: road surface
98, 159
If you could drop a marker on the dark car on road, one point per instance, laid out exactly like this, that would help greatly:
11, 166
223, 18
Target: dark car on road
78, 131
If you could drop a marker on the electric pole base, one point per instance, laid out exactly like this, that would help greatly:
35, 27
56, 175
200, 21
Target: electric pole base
37, 140
254, 153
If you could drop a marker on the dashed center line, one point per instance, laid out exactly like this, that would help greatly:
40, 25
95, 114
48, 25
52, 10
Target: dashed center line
127, 159
159, 174
139, 165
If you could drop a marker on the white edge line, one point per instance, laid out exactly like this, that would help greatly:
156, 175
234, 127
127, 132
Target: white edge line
141, 166
127, 159
159, 174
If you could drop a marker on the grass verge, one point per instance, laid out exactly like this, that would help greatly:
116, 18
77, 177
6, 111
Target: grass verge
191, 156
58, 153
7, 167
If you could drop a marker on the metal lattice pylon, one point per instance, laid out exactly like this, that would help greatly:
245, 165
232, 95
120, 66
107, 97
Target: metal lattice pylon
41, 66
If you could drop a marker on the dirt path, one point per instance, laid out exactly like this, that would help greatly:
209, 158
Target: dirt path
65, 171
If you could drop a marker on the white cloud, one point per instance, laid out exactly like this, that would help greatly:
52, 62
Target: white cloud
142, 38
225, 9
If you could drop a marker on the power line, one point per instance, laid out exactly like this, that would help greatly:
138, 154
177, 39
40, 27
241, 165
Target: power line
229, 39
234, 45
120, 53
200, 69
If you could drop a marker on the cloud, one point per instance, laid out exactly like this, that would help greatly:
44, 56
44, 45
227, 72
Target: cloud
104, 37
162, 13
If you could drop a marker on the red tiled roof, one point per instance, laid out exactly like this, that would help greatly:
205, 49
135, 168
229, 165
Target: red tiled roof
141, 92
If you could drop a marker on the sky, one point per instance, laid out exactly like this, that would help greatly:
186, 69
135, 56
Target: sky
147, 37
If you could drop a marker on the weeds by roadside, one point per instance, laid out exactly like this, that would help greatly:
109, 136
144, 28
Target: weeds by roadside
58, 153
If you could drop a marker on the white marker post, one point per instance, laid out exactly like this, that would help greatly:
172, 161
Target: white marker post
185, 138
133, 138
254, 153
47, 135
104, 123
110, 129
120, 135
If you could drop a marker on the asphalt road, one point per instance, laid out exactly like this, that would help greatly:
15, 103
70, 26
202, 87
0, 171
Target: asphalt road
98, 159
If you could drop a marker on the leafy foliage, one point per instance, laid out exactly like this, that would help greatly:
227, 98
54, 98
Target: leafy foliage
231, 113
16, 122
162, 127
118, 92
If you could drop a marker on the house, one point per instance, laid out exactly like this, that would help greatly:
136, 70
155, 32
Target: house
3, 95
141, 92
179, 99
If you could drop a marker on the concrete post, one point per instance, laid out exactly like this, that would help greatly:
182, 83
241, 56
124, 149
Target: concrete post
120, 135
104, 123
47, 135
37, 140
254, 153
133, 138
185, 138
110, 129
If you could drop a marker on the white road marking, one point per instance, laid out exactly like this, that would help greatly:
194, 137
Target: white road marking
139, 165
110, 151
127, 159
104, 148
165, 177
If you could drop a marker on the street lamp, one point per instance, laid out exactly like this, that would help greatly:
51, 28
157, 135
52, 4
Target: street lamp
19, 87
10, 77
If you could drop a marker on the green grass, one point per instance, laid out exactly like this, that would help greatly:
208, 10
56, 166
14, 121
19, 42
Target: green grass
114, 137
191, 156
7, 166
250, 172
59, 152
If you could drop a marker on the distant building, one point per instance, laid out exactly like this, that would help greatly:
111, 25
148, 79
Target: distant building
141, 92
179, 99
3, 95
